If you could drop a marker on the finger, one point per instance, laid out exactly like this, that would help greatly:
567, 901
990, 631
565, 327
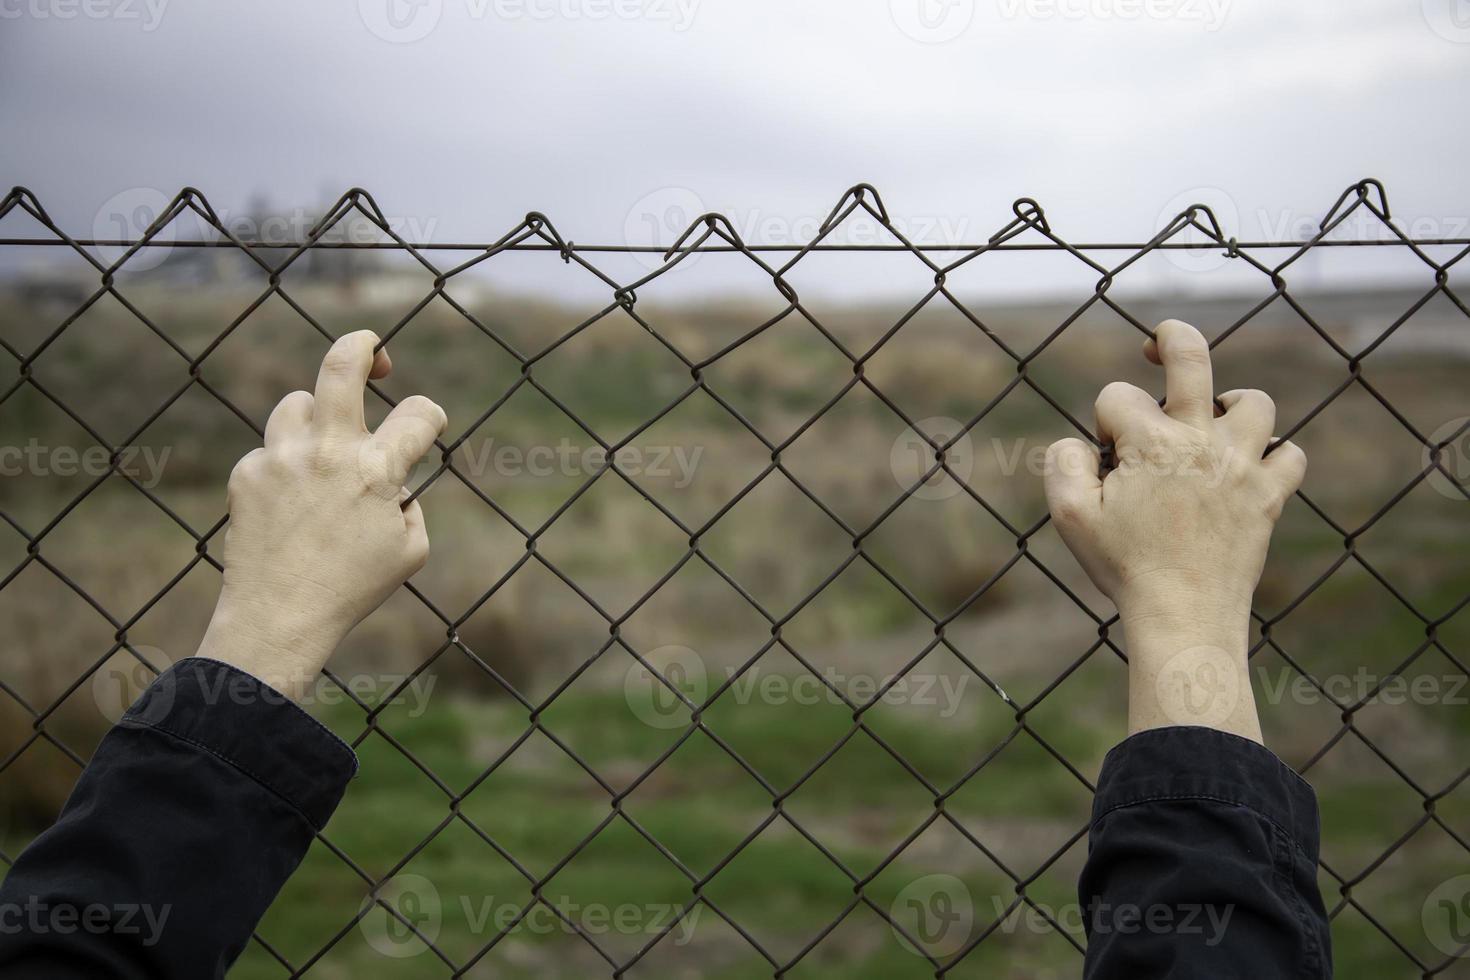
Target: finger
408, 432
1073, 482
1123, 411
291, 415
382, 365
1287, 465
1188, 383
418, 533
340, 383
1250, 418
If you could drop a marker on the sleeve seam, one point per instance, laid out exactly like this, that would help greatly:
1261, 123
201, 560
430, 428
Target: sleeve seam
1248, 745
1310, 956
264, 784
331, 736
1186, 797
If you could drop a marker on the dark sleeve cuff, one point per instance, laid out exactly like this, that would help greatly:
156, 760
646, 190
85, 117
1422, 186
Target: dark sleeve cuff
250, 725
1189, 763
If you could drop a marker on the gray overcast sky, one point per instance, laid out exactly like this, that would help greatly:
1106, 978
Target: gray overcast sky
1106, 111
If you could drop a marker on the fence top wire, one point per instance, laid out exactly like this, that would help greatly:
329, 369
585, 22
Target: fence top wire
1198, 216
715, 232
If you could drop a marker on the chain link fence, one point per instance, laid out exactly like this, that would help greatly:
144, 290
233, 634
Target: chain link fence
908, 858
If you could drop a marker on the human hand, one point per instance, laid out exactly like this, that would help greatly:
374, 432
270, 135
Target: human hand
318, 535
1176, 534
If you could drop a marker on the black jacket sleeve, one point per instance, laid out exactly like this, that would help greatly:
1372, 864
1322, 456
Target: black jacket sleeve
192, 814
1202, 863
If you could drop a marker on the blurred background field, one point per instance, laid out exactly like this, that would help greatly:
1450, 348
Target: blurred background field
1026, 806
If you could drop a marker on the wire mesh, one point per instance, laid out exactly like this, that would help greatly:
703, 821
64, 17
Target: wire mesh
715, 233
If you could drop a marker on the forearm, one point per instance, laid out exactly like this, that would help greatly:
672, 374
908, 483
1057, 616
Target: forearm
1190, 668
190, 817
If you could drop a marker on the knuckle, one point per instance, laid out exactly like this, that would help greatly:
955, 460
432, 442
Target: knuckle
348, 351
248, 465
339, 360
246, 473
319, 460
1259, 398
1176, 330
1115, 391
1061, 446
425, 407
1068, 457
1191, 353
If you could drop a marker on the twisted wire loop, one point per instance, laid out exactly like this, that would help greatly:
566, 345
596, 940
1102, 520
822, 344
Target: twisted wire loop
716, 233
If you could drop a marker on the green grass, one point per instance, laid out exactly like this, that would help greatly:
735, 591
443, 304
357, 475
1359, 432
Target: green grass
699, 805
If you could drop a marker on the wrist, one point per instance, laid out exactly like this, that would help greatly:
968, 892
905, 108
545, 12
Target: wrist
1161, 634
1170, 612
283, 650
